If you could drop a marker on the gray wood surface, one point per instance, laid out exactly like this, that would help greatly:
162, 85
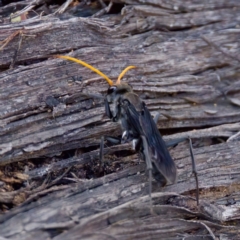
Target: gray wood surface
187, 59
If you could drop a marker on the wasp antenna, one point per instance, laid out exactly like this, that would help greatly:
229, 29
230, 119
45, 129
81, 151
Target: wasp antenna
110, 82
123, 73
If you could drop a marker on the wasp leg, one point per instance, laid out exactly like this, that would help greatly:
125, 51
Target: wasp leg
138, 147
109, 113
173, 143
149, 168
156, 118
125, 137
113, 140
194, 169
107, 109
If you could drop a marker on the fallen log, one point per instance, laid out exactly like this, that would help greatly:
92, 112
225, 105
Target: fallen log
52, 118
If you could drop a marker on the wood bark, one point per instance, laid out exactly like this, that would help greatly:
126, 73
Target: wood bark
187, 58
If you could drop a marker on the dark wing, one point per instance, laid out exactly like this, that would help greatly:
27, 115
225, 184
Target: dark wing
143, 123
160, 155
132, 117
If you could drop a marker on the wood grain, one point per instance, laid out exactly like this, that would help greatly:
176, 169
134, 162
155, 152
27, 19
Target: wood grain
52, 118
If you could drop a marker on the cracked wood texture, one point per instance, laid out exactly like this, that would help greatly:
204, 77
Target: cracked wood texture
187, 58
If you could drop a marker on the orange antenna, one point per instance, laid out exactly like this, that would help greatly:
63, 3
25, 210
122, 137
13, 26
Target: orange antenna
123, 73
110, 82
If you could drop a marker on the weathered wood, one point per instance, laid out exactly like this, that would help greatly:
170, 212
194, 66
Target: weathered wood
187, 58
80, 205
172, 71
93, 156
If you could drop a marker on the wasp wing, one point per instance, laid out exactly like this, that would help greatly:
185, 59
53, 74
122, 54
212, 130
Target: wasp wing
143, 123
159, 152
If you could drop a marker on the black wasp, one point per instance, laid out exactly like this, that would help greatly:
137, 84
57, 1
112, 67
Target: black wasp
138, 126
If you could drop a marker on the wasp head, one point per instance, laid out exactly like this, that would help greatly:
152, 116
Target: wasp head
121, 88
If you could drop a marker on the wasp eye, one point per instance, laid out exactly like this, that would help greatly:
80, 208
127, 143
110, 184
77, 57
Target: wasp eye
112, 89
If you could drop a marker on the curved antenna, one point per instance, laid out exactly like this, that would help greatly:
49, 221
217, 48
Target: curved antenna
110, 82
123, 73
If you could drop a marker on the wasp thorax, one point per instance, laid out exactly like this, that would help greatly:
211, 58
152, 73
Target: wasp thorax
120, 89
